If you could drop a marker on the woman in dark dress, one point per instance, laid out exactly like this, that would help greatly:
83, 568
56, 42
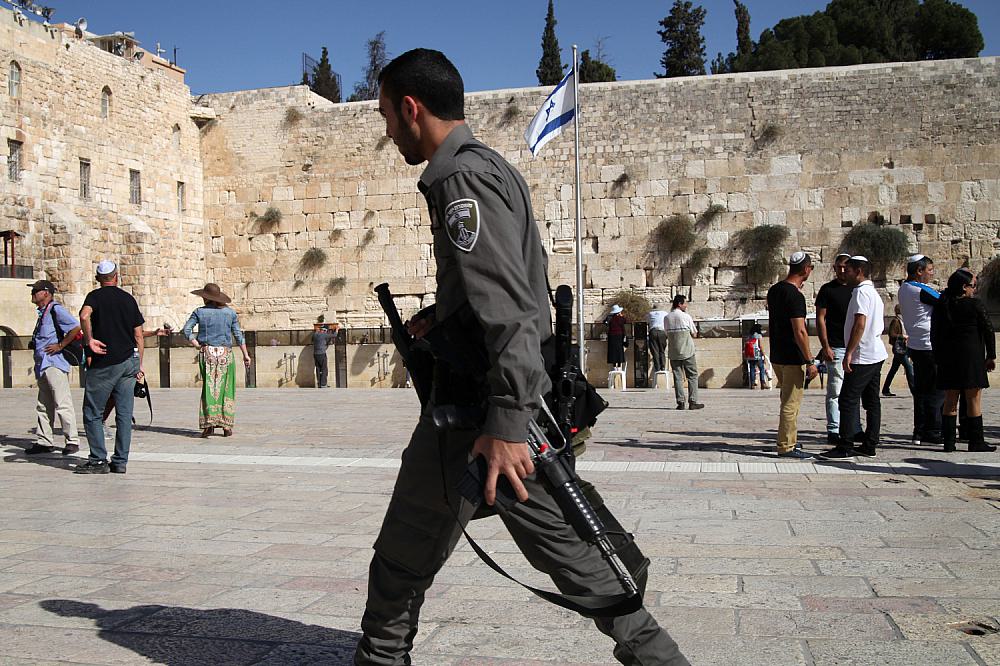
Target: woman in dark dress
616, 336
964, 351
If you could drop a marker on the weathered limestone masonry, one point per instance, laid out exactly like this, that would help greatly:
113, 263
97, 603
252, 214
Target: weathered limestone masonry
57, 116
817, 150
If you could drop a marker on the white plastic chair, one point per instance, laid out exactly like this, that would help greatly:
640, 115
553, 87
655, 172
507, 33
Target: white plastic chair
661, 375
617, 371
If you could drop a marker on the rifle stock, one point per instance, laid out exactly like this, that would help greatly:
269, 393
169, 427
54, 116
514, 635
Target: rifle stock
418, 361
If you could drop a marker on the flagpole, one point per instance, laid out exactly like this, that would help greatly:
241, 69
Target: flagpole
579, 223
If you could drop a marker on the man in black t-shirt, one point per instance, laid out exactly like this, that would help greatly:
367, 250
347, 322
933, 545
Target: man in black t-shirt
831, 312
112, 332
790, 355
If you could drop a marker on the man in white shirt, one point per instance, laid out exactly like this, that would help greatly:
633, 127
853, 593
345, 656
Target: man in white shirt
863, 360
916, 302
657, 337
681, 330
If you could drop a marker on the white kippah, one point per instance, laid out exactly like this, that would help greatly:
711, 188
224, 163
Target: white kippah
797, 258
859, 257
842, 254
915, 257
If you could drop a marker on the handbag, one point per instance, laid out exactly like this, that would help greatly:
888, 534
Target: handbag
72, 352
898, 345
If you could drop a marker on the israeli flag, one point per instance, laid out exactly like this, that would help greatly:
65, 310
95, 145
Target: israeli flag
559, 110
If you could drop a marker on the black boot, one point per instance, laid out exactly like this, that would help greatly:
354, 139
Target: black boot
948, 432
976, 441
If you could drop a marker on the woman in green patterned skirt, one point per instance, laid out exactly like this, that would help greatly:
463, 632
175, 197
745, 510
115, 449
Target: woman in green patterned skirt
217, 327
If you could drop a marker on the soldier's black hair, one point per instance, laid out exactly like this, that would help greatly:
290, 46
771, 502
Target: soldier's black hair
429, 76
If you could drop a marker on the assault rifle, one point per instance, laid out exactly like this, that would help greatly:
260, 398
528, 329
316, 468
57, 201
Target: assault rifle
554, 463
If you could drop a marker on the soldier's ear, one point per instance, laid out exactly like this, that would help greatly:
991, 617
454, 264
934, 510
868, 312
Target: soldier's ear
409, 108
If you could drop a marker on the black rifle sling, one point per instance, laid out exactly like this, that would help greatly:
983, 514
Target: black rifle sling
614, 605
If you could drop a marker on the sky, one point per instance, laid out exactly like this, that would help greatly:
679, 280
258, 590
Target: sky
227, 45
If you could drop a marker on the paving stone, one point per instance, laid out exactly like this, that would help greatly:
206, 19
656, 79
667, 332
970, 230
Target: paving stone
805, 586
815, 624
272, 565
847, 652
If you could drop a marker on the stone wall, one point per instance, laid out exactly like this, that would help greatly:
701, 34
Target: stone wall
58, 118
816, 150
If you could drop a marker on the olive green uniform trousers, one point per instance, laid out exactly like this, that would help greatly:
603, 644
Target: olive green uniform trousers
419, 532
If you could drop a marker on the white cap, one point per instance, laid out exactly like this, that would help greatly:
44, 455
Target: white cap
915, 257
106, 267
842, 254
859, 257
797, 258
615, 309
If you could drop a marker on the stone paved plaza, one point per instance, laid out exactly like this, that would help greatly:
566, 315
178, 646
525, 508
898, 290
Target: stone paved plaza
254, 549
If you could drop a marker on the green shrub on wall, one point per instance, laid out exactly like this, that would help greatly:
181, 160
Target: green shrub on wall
884, 246
762, 247
989, 283
270, 220
674, 236
312, 259
635, 306
698, 260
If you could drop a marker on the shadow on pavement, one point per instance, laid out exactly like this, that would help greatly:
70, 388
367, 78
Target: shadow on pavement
54, 459
180, 636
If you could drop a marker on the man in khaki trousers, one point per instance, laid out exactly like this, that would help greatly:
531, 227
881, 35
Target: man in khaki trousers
52, 370
790, 355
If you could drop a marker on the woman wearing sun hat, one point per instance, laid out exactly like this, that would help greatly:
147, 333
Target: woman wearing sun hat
217, 327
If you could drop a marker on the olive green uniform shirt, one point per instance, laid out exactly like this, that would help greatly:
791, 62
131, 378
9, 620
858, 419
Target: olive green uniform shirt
488, 252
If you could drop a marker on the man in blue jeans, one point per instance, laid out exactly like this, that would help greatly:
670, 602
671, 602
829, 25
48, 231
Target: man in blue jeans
112, 333
831, 313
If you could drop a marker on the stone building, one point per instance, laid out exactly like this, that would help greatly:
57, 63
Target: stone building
298, 206
101, 159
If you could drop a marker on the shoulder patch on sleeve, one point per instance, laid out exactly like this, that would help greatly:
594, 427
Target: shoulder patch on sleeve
461, 220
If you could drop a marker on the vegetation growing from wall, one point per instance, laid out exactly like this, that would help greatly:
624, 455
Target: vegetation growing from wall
762, 247
336, 285
292, 115
270, 220
698, 260
710, 214
883, 245
674, 236
312, 260
989, 283
635, 306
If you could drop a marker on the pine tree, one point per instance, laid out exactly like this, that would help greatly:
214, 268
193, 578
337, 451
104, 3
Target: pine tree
550, 67
684, 54
324, 81
378, 58
744, 43
593, 70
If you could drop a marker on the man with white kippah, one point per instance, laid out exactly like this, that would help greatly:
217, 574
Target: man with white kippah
916, 303
863, 361
113, 336
790, 355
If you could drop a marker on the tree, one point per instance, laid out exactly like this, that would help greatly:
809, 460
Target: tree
684, 54
378, 58
850, 32
592, 70
945, 29
550, 67
324, 81
744, 44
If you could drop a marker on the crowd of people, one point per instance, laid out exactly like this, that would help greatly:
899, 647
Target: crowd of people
944, 342
107, 343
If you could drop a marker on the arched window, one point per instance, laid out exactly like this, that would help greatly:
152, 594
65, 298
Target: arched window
177, 136
106, 102
14, 79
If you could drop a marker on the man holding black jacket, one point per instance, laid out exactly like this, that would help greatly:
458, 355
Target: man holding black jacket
491, 278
